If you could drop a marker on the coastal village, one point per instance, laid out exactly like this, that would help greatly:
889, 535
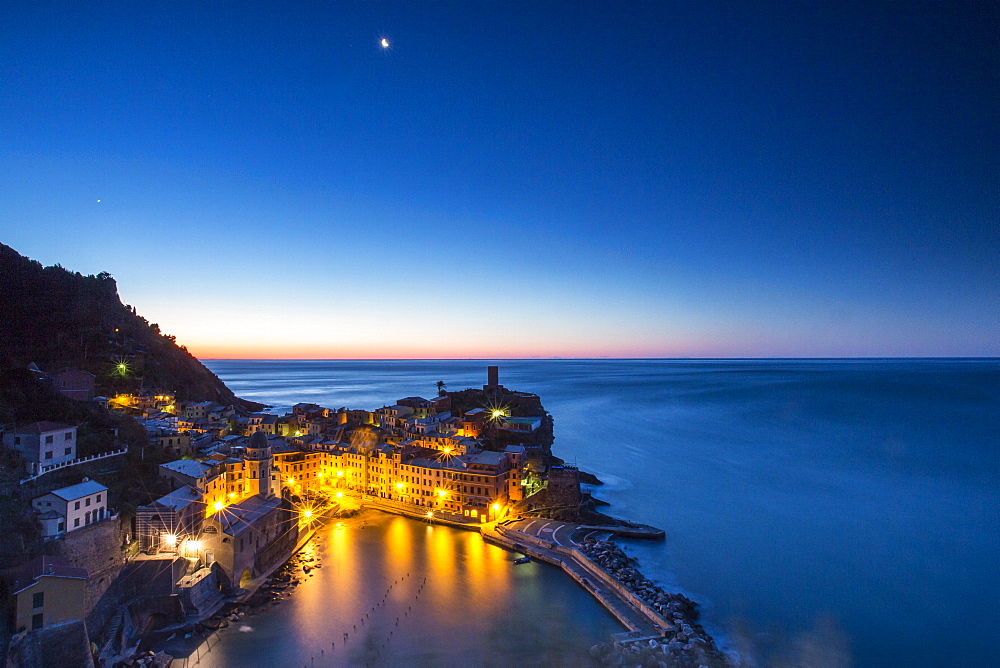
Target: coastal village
245, 491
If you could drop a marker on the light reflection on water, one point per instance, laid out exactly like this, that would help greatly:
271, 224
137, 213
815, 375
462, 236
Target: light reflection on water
458, 600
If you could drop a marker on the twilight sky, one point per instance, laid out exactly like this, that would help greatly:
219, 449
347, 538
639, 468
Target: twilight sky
647, 179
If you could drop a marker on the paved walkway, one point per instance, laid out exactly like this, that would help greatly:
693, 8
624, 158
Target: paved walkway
561, 533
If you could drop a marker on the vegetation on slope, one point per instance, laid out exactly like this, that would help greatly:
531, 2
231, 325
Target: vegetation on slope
56, 318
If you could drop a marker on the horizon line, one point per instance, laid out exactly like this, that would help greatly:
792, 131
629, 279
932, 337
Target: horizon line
560, 358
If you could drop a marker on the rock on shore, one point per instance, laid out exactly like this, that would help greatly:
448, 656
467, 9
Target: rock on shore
687, 645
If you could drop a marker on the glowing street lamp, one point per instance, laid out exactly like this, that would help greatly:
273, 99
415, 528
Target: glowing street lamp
169, 539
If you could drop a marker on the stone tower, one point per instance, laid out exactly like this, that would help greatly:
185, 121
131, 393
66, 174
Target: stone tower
259, 463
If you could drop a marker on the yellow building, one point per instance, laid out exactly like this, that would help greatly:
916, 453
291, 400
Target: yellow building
463, 481
301, 470
477, 485
47, 591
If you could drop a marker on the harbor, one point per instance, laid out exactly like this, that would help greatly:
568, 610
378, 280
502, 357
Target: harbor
390, 590
666, 622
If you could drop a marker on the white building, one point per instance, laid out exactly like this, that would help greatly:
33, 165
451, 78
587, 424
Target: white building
73, 507
43, 443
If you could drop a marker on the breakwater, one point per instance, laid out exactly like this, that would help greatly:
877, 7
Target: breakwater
663, 627
683, 643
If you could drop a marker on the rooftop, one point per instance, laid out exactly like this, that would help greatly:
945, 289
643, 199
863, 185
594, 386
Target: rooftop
179, 498
41, 427
522, 420
488, 458
240, 517
60, 567
79, 490
188, 467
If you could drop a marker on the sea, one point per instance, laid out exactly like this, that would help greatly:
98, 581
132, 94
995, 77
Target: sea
821, 512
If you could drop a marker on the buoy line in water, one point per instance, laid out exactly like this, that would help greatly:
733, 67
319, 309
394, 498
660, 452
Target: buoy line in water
366, 623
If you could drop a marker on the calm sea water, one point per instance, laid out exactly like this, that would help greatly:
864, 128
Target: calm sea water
819, 510
408, 593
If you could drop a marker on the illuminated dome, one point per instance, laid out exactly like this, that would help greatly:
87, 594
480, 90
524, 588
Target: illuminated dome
258, 441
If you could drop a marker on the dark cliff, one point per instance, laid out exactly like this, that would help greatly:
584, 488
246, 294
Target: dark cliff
56, 318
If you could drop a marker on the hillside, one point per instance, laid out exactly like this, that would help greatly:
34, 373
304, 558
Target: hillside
56, 318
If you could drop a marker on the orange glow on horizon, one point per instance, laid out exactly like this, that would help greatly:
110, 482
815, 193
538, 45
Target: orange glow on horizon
276, 350
219, 353
374, 336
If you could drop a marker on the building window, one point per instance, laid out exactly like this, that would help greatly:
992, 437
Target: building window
69, 436
48, 439
17, 440
76, 522
86, 501
38, 600
48, 455
68, 451
98, 498
36, 622
76, 506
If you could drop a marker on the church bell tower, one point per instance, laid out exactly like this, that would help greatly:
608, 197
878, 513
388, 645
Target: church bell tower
259, 463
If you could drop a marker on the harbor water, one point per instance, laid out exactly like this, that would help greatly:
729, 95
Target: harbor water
823, 512
390, 591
